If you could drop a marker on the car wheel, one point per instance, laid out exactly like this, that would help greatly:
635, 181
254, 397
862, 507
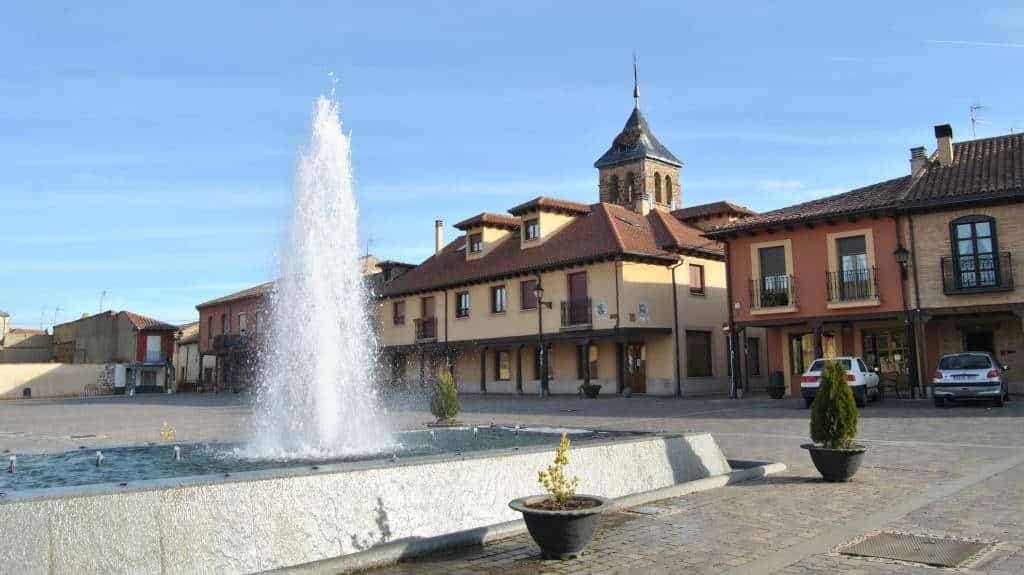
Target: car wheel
862, 398
940, 402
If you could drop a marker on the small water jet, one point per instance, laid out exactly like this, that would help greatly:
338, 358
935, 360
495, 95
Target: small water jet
12, 464
99, 458
177, 453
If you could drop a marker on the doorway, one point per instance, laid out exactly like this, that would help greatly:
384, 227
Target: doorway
636, 367
980, 341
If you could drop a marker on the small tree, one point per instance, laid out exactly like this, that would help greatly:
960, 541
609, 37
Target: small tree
834, 411
444, 402
562, 490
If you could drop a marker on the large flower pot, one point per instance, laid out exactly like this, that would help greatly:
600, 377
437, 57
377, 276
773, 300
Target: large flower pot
836, 464
561, 534
591, 391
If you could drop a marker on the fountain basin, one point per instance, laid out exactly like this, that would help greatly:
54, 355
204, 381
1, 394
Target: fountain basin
260, 520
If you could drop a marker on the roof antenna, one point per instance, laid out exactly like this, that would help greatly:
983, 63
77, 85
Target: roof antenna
636, 81
975, 120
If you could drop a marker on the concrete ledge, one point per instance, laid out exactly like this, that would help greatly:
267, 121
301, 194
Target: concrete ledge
396, 551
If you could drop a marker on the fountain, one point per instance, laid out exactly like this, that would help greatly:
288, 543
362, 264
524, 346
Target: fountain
316, 396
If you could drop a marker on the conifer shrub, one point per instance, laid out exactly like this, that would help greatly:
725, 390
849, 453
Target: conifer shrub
560, 488
834, 411
444, 401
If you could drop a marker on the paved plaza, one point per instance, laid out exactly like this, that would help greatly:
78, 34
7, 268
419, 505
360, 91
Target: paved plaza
956, 472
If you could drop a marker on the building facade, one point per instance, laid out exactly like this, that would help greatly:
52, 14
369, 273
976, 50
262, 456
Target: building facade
230, 328
632, 297
899, 272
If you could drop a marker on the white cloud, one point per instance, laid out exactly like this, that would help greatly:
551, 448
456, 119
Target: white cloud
976, 43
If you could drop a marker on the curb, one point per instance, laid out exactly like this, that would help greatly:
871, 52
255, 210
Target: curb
396, 551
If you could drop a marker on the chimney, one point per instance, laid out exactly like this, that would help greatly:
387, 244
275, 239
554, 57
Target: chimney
944, 138
918, 160
438, 235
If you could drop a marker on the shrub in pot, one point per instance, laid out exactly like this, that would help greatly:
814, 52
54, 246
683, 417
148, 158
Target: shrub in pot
562, 522
833, 427
444, 400
590, 389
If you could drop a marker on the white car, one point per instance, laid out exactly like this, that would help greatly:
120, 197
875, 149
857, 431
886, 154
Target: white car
863, 381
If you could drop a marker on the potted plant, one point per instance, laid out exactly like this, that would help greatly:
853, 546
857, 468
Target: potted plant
562, 523
590, 389
833, 427
444, 401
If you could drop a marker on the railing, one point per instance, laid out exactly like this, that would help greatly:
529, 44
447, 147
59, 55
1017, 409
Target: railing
772, 291
229, 341
977, 274
154, 356
577, 312
426, 328
852, 285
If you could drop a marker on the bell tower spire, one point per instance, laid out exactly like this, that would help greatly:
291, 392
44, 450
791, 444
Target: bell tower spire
636, 82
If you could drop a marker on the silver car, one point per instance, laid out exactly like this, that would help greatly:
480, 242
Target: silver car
970, 375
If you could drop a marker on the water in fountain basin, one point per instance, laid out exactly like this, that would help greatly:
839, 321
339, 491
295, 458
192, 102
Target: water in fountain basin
316, 396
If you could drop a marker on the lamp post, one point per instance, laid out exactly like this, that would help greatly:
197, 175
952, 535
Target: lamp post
538, 294
902, 255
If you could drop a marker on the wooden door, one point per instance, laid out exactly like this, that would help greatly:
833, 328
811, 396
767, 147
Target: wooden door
427, 307
636, 367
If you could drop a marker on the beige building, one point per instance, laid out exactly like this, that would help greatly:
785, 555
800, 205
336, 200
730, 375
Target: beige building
633, 297
23, 345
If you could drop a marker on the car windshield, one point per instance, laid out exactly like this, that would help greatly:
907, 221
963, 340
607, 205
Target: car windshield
965, 361
819, 364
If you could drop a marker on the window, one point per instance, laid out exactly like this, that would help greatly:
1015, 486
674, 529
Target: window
526, 298
974, 251
476, 243
698, 353
243, 320
696, 279
209, 328
462, 304
668, 190
657, 188
630, 182
860, 364
774, 281
854, 277
499, 299
502, 371
753, 356
398, 313
532, 229
550, 362
586, 356
223, 323
257, 321
614, 185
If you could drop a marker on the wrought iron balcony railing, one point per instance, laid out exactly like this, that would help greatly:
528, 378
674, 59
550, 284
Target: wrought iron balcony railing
772, 291
426, 328
852, 285
977, 273
577, 312
228, 341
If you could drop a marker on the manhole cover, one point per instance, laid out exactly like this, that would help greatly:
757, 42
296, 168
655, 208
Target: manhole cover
935, 551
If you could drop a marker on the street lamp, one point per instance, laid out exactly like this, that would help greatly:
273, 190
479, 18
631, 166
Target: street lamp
902, 256
538, 294
910, 344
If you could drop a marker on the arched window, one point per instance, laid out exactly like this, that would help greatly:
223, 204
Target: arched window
614, 185
657, 188
668, 189
974, 251
630, 180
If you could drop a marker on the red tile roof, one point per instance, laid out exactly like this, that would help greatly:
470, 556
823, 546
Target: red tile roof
550, 204
255, 291
141, 322
712, 209
607, 231
981, 169
189, 333
489, 220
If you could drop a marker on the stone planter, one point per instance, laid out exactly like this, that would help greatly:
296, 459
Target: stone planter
561, 534
836, 464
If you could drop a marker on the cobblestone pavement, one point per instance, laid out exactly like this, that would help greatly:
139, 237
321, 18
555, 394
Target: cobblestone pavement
955, 472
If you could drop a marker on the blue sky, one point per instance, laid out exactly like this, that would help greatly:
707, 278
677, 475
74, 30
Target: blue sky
148, 151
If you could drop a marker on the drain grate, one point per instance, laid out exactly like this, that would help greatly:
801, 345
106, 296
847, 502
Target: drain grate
935, 551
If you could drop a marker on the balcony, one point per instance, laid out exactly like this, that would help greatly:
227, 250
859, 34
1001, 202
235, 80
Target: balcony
577, 314
773, 293
426, 328
852, 286
229, 341
977, 274
155, 356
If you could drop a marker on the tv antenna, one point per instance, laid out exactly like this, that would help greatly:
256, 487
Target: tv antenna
102, 295
56, 310
975, 120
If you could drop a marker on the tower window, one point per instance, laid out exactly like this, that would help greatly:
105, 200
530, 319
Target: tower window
668, 189
614, 185
630, 179
476, 243
657, 188
532, 229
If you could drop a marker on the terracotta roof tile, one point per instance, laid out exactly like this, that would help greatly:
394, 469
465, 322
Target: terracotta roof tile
607, 231
989, 167
552, 204
247, 293
712, 209
142, 322
189, 333
489, 220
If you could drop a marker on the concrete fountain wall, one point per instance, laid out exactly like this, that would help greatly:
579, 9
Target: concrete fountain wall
257, 521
